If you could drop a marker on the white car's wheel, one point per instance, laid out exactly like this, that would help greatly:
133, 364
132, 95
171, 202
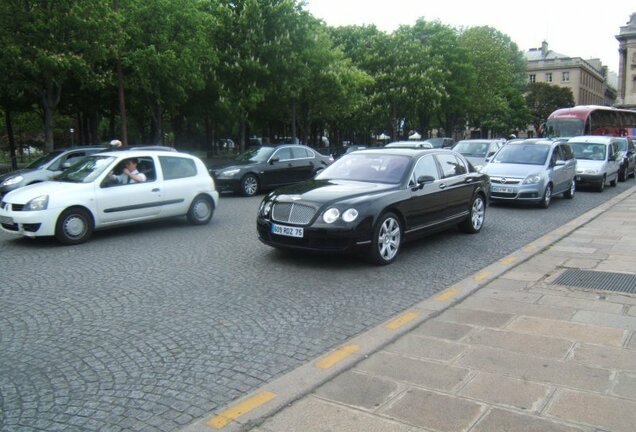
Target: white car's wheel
75, 225
201, 210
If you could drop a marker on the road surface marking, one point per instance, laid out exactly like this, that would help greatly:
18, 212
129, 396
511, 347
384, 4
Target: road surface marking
400, 321
447, 295
338, 355
231, 414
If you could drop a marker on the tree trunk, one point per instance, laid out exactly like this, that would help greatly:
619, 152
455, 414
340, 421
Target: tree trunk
156, 112
9, 124
50, 99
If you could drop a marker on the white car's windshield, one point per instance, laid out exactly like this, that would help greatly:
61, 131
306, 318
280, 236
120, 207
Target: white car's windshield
472, 148
588, 151
524, 154
86, 170
374, 168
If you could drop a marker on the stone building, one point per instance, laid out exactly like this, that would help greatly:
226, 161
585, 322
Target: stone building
626, 97
586, 78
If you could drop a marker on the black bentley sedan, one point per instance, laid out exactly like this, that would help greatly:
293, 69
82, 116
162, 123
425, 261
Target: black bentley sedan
375, 199
267, 167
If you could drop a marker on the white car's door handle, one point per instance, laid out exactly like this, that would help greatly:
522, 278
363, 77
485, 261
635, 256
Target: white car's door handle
155, 190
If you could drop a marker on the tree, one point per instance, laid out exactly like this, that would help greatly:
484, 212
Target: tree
500, 69
57, 40
543, 98
163, 57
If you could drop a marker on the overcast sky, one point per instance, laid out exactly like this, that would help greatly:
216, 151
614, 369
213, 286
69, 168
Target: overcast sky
575, 28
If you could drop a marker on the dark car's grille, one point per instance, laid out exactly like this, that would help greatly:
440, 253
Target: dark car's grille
293, 213
505, 180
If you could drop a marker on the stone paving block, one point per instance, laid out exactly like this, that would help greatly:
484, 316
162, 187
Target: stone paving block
413, 345
314, 415
581, 263
503, 284
605, 357
535, 368
518, 308
514, 294
597, 305
568, 330
608, 413
631, 343
423, 373
476, 317
541, 346
625, 385
443, 329
578, 250
501, 390
614, 265
524, 276
606, 319
353, 388
498, 420
434, 411
632, 311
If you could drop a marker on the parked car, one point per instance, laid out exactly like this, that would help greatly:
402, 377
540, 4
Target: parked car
45, 167
87, 196
478, 150
373, 200
598, 160
410, 144
267, 167
532, 172
627, 158
441, 142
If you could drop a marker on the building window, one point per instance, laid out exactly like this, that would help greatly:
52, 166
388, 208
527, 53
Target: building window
533, 78
566, 76
548, 77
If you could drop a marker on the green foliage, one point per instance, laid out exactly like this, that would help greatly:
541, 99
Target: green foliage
260, 67
543, 98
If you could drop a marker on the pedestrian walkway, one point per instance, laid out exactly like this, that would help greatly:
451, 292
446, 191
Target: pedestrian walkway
528, 344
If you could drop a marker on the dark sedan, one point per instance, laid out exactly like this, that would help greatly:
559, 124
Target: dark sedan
267, 167
373, 200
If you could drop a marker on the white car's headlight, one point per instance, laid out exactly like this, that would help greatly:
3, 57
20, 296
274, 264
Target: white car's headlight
12, 180
230, 172
331, 215
37, 203
350, 215
532, 179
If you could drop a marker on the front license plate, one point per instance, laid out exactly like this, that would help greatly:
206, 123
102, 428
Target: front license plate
502, 189
287, 231
6, 220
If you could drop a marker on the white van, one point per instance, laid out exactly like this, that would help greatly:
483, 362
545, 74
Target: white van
596, 160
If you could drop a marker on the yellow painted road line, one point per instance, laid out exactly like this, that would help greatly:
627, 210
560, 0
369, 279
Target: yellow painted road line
231, 414
508, 260
338, 355
529, 248
400, 321
481, 276
447, 295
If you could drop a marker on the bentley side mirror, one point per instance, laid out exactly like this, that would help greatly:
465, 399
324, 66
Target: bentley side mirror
274, 160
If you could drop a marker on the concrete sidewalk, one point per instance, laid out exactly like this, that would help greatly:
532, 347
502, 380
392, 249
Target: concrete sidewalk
515, 347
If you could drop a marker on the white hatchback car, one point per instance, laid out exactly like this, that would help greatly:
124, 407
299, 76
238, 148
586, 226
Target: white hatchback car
92, 194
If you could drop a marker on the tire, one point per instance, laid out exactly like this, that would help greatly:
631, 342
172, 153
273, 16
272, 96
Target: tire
74, 226
615, 181
249, 185
386, 241
547, 197
569, 194
601, 186
475, 220
201, 210
622, 173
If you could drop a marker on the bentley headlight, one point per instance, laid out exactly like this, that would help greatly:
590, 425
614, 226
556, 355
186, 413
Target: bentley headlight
38, 203
350, 215
532, 179
331, 215
230, 172
266, 207
12, 180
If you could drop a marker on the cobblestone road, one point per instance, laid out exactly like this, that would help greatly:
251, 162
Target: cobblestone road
152, 327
